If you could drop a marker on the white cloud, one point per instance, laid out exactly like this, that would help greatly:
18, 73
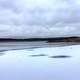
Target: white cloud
46, 16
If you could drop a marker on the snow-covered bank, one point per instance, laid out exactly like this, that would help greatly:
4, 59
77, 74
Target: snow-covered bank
21, 65
31, 19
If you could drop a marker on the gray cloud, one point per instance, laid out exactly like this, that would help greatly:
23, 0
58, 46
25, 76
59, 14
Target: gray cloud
17, 13
41, 13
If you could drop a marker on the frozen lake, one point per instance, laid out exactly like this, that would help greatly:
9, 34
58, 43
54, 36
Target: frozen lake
39, 61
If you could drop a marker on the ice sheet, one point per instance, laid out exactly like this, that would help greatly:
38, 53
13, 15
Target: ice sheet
22, 65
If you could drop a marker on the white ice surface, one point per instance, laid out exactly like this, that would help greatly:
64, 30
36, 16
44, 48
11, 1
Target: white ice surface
20, 65
39, 18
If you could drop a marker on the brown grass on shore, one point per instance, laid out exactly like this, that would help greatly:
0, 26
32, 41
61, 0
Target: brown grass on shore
65, 39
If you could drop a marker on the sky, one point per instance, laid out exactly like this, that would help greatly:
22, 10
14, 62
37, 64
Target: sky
39, 18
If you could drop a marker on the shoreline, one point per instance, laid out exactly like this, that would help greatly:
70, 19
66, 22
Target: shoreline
59, 39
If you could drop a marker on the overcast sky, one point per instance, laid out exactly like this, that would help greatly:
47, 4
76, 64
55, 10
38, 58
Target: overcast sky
48, 13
